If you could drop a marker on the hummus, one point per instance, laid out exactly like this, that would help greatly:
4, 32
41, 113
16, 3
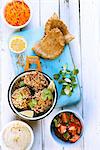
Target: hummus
17, 136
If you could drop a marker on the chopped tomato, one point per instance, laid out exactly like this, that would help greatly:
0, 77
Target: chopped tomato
69, 128
77, 122
72, 124
79, 129
65, 118
72, 130
74, 138
71, 118
62, 129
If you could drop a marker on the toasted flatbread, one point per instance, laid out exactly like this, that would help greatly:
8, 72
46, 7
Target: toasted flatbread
51, 45
55, 22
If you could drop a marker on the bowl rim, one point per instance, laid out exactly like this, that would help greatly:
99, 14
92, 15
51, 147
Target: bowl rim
23, 123
77, 114
18, 113
28, 3
14, 37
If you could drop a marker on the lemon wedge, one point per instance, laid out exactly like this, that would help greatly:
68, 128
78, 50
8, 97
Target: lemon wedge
17, 44
27, 113
51, 86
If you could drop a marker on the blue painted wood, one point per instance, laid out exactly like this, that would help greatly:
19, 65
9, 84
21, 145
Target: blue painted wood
49, 67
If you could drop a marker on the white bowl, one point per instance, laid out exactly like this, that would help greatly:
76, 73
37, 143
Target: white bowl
17, 27
11, 123
58, 140
15, 110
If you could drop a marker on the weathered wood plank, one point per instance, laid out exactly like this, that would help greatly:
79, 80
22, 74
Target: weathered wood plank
90, 39
8, 74
47, 8
69, 12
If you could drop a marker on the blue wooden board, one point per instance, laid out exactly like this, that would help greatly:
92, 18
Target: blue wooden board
49, 67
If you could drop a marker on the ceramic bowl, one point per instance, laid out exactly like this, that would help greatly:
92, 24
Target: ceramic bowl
16, 111
2, 143
17, 27
58, 140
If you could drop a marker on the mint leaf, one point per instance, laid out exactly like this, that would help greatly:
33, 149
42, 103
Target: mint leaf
62, 92
56, 76
75, 71
73, 79
74, 86
61, 81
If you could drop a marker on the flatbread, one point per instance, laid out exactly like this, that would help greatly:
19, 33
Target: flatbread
51, 45
55, 22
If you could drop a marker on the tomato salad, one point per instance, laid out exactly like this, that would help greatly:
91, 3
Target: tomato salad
67, 127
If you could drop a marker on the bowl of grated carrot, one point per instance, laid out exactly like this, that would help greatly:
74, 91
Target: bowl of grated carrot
17, 13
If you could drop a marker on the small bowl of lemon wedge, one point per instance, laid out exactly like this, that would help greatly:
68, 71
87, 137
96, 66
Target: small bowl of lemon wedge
17, 44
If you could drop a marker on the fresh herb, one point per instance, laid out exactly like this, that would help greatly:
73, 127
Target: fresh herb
56, 76
46, 94
61, 81
55, 122
22, 84
68, 80
32, 103
62, 92
75, 71
66, 135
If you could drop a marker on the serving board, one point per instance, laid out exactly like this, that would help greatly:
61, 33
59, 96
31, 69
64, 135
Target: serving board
49, 67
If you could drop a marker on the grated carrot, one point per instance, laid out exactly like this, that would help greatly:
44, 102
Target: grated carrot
17, 13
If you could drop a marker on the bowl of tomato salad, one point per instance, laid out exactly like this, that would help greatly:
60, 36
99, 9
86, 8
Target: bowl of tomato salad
17, 13
66, 127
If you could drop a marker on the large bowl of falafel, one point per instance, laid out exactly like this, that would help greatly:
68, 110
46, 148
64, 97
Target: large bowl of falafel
32, 95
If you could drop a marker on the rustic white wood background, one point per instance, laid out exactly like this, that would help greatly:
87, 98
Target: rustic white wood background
83, 19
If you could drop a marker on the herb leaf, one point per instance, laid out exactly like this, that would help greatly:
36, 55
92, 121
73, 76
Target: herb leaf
21, 84
32, 103
56, 76
68, 80
75, 71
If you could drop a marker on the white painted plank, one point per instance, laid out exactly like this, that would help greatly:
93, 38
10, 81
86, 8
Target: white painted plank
8, 74
90, 39
36, 125
64, 11
75, 47
35, 21
69, 12
48, 7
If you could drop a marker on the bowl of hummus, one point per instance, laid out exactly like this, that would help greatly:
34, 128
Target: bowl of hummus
17, 135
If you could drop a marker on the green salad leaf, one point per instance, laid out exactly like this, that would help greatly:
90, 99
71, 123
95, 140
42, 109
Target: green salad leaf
46, 94
32, 103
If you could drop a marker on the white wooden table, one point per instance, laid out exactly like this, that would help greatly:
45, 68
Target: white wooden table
83, 19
